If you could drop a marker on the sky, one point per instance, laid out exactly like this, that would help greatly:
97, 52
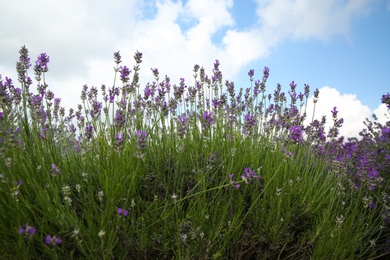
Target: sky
340, 47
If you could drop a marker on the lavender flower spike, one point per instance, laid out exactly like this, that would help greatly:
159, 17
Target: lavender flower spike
53, 241
233, 183
122, 212
27, 230
249, 175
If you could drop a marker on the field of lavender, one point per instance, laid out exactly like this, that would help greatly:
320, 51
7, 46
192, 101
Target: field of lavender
200, 170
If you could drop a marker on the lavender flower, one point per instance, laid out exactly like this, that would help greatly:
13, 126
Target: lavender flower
138, 57
251, 73
265, 74
52, 241
249, 175
55, 170
117, 57
120, 118
386, 100
125, 72
207, 119
141, 140
22, 66
122, 212
41, 63
119, 141
334, 112
147, 92
232, 182
155, 73
182, 120
249, 123
372, 174
316, 95
89, 132
196, 68
96, 109
296, 134
27, 230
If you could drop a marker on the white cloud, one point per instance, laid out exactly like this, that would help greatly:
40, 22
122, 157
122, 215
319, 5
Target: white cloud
350, 109
174, 52
302, 19
201, 10
382, 113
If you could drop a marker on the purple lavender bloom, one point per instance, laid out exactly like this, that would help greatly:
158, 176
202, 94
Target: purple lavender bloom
249, 175
182, 125
334, 112
55, 170
125, 72
249, 119
301, 96
207, 119
21, 230
119, 139
41, 63
36, 101
138, 57
17, 95
216, 64
248, 124
215, 102
120, 118
296, 134
27, 230
117, 57
196, 68
233, 183
22, 66
251, 73
183, 119
155, 72
293, 86
96, 109
122, 212
141, 139
265, 73
316, 95
373, 173
112, 93
385, 134
88, 132
386, 100
52, 241
147, 92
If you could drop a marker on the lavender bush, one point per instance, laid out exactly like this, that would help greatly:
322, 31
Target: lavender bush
189, 170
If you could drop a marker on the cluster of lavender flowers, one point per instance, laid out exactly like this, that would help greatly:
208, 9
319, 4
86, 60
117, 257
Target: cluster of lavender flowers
248, 176
250, 111
29, 231
246, 111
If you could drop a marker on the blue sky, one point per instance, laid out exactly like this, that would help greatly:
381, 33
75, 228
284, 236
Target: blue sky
337, 46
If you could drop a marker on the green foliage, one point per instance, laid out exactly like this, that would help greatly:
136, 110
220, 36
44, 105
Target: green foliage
171, 196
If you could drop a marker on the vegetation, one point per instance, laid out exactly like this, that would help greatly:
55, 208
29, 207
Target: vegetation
186, 172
